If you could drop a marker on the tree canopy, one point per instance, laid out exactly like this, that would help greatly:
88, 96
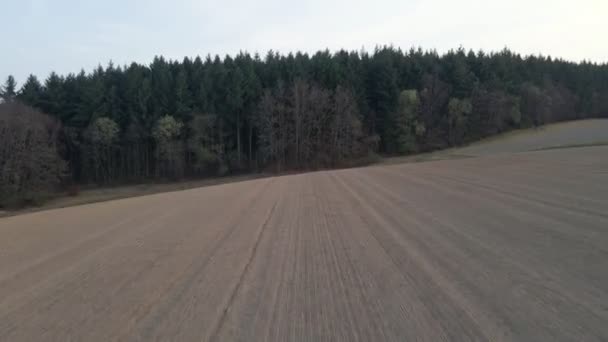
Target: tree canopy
214, 115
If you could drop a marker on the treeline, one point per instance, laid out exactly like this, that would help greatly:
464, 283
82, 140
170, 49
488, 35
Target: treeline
212, 116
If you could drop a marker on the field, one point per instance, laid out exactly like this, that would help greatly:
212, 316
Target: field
569, 134
565, 134
504, 246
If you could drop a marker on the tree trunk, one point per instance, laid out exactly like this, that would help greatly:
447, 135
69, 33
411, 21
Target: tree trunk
238, 138
250, 143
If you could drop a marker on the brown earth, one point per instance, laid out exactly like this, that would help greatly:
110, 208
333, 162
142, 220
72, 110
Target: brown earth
512, 247
561, 134
568, 134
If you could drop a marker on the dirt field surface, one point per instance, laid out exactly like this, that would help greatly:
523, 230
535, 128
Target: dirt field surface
581, 133
504, 248
563, 134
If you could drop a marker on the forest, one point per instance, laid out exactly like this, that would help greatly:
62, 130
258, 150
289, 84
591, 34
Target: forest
212, 116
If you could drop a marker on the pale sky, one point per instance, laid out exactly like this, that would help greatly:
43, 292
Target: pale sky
40, 36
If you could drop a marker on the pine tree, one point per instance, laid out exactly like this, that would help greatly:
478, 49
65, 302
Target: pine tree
304, 111
53, 100
161, 87
234, 106
252, 90
8, 91
31, 91
95, 94
182, 98
382, 93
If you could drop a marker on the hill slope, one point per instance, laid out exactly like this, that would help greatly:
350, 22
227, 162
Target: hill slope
559, 135
564, 134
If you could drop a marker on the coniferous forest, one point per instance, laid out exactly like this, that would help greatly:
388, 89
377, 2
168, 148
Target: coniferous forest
213, 116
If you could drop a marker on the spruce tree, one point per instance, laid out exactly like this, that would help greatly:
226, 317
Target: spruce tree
31, 91
8, 91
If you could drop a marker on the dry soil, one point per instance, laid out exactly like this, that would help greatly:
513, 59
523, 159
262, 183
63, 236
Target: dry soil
512, 247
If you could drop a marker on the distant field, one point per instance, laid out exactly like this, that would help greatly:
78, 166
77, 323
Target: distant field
581, 133
565, 134
103, 194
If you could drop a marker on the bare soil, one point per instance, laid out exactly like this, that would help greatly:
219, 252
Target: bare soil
563, 134
569, 134
512, 247
93, 194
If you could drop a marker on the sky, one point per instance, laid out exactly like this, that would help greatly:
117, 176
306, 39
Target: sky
69, 35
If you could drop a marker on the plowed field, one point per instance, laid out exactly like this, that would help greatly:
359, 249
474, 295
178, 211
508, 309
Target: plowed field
510, 247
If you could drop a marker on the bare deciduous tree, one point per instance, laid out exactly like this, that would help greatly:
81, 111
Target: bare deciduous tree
30, 164
310, 127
